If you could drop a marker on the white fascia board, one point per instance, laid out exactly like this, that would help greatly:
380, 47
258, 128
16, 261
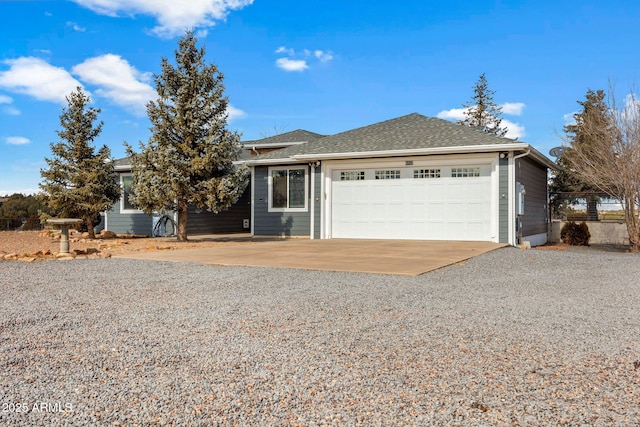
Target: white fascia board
122, 168
414, 152
284, 161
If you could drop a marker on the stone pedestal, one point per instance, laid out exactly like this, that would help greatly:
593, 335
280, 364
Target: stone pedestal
63, 224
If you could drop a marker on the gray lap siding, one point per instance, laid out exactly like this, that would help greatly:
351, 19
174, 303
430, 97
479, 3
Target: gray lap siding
228, 221
128, 223
534, 178
278, 223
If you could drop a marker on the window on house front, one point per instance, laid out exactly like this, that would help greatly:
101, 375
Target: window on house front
126, 181
288, 187
388, 174
465, 172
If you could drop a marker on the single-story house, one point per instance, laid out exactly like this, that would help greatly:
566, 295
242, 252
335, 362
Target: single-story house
124, 218
412, 177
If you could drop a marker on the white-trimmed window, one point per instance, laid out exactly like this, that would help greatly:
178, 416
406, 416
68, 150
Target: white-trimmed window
288, 189
465, 172
388, 174
126, 180
426, 173
352, 176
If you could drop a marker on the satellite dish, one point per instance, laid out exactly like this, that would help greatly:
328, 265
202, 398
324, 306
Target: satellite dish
557, 151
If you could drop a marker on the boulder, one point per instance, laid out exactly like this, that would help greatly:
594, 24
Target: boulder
106, 234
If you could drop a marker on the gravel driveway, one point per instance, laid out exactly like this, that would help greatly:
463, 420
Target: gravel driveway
511, 337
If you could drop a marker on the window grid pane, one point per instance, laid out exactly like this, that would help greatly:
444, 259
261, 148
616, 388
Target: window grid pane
465, 172
426, 173
352, 176
279, 192
388, 174
296, 188
127, 182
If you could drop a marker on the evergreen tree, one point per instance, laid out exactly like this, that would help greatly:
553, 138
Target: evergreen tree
189, 157
481, 111
79, 182
593, 115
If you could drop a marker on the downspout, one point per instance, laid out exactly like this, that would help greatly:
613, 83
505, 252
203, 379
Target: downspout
512, 202
253, 198
312, 195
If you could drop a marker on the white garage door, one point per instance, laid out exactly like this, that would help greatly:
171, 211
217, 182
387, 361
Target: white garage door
427, 203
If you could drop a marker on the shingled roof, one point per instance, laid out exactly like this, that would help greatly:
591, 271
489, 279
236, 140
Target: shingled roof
413, 131
299, 135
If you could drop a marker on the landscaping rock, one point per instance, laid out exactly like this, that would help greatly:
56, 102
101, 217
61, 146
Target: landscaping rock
106, 234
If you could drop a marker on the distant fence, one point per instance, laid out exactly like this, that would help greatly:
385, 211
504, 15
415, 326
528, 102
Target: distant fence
602, 232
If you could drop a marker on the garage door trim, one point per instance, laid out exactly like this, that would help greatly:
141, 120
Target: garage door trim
486, 159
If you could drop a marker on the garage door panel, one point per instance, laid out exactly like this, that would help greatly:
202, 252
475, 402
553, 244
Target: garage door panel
433, 208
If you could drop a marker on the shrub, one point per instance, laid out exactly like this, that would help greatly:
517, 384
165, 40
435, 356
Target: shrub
575, 234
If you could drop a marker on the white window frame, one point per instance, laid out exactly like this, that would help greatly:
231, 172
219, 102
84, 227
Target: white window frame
122, 208
306, 188
354, 175
387, 174
427, 173
466, 172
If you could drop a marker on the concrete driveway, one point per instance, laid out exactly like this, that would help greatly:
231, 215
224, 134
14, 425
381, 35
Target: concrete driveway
404, 257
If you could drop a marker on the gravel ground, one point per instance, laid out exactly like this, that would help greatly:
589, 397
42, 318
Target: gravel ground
512, 337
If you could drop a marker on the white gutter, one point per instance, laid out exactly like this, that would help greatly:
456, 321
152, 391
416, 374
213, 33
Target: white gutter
253, 201
413, 152
250, 162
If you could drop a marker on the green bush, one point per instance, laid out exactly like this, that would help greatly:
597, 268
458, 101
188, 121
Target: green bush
575, 234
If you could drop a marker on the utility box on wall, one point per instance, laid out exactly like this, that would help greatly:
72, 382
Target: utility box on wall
520, 192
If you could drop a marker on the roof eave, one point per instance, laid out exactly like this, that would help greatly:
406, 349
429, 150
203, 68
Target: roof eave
248, 144
488, 148
249, 162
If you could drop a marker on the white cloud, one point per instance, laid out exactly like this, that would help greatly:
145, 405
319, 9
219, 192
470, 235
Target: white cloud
118, 81
76, 27
292, 64
235, 113
453, 114
513, 108
323, 56
17, 140
172, 16
8, 109
35, 77
514, 130
283, 49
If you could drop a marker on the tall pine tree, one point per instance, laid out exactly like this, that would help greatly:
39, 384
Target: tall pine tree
189, 157
79, 181
481, 111
580, 135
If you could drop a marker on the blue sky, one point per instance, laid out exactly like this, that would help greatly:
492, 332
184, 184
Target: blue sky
325, 66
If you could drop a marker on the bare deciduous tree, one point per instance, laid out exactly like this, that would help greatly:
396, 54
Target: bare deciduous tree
611, 160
